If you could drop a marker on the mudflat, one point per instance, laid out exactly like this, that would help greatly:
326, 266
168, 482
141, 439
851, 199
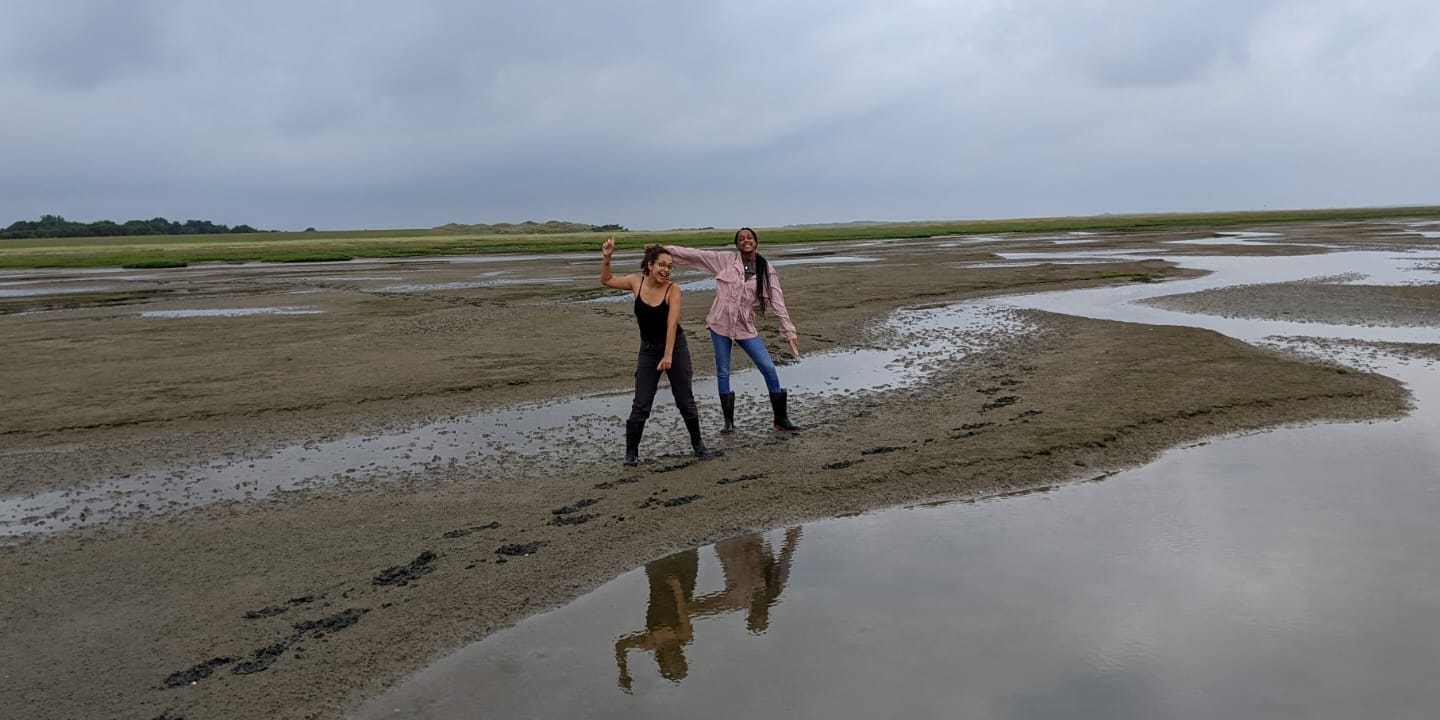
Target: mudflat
302, 604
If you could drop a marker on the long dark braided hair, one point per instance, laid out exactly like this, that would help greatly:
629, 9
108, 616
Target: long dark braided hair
762, 268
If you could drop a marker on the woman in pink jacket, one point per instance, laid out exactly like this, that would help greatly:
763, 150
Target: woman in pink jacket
744, 282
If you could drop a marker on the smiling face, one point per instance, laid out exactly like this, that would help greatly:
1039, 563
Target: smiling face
660, 268
746, 242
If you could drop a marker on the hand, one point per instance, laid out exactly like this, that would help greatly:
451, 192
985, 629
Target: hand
794, 346
664, 363
608, 248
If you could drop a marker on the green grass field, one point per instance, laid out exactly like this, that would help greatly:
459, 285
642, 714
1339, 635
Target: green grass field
175, 251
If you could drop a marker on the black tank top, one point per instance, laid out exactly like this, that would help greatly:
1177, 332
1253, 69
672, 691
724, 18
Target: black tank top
652, 320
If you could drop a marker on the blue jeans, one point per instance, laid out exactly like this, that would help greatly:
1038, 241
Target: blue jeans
755, 348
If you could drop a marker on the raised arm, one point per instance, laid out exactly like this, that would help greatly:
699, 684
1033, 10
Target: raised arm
713, 261
609, 279
777, 304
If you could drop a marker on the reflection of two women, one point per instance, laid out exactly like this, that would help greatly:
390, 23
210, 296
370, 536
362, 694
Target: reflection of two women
754, 579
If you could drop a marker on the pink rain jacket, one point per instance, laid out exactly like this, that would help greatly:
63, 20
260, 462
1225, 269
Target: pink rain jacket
733, 312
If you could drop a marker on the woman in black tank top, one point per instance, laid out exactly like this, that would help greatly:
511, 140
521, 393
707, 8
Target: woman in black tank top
662, 345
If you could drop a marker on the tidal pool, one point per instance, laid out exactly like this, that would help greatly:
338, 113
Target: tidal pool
1290, 573
539, 435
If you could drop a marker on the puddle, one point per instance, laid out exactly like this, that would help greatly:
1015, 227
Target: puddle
1204, 585
473, 284
10, 292
824, 260
550, 435
1037, 263
232, 312
1291, 573
964, 240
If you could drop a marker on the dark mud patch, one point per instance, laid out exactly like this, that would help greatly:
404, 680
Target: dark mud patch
261, 659
462, 532
335, 623
657, 501
841, 465
402, 575
575, 507
999, 402
519, 549
196, 673
265, 612
740, 479
611, 484
563, 520
881, 450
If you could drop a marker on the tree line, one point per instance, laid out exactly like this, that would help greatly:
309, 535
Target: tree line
55, 226
530, 227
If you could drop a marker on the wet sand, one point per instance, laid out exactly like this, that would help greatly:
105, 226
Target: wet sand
305, 604
1416, 305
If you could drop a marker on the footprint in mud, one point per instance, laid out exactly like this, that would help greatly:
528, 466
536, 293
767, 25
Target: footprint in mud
611, 484
563, 520
988, 390
740, 478
263, 657
575, 507
462, 532
197, 673
510, 550
1024, 417
999, 402
265, 612
841, 465
402, 575
881, 450
654, 501
968, 430
273, 610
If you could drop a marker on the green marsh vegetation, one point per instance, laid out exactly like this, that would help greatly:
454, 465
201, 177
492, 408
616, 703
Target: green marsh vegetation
316, 246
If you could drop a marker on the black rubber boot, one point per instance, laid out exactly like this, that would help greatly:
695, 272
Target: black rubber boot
696, 444
727, 405
633, 430
782, 415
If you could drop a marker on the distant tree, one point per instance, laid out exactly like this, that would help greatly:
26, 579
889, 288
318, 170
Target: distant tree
56, 226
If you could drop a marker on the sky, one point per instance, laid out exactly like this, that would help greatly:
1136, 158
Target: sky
669, 113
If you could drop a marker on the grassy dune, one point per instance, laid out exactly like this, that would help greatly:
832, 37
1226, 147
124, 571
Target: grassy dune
170, 251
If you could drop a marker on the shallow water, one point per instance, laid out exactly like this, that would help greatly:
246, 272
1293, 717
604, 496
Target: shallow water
536, 435
1292, 573
14, 292
232, 312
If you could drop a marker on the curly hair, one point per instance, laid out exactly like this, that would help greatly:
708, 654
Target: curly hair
652, 253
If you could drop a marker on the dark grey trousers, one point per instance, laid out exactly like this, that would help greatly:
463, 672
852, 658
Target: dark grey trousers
647, 379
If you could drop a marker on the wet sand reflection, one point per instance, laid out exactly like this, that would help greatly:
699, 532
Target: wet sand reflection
754, 580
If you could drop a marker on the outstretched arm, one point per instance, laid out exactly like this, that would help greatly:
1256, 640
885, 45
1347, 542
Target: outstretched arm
777, 303
712, 261
608, 279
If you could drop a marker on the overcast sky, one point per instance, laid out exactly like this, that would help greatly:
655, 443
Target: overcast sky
669, 113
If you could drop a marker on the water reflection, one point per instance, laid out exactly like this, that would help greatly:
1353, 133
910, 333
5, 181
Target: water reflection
754, 580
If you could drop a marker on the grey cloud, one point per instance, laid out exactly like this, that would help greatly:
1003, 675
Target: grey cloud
84, 44
654, 114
